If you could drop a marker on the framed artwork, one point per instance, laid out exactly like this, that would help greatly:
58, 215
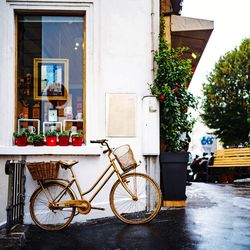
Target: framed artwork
52, 115
36, 113
50, 78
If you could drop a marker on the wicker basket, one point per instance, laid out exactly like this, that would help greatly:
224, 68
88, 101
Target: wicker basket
43, 170
124, 155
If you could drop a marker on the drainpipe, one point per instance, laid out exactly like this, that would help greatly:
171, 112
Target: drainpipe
151, 143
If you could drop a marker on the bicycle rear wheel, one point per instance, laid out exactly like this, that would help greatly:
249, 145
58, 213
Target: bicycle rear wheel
140, 210
42, 211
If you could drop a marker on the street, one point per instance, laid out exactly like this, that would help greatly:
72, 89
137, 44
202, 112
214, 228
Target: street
216, 217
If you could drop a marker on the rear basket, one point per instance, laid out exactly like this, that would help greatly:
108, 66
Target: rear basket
125, 157
43, 170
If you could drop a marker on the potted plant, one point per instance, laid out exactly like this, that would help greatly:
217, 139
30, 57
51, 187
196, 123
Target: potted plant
36, 139
170, 87
21, 139
51, 137
77, 139
63, 138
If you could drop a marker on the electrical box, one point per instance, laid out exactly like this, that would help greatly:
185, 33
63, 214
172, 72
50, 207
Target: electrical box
151, 127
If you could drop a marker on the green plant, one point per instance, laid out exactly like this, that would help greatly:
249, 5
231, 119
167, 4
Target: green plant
64, 133
36, 138
170, 85
25, 133
77, 135
50, 133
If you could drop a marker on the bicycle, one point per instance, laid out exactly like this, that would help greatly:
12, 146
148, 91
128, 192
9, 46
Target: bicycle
135, 198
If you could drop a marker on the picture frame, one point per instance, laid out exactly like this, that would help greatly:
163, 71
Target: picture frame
52, 115
36, 113
50, 78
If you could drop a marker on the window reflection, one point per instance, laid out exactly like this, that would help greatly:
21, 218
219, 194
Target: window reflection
50, 71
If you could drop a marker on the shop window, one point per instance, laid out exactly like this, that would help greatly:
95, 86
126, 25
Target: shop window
50, 72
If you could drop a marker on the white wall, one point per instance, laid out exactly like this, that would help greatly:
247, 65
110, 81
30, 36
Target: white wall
119, 60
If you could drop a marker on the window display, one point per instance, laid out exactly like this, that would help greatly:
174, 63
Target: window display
50, 71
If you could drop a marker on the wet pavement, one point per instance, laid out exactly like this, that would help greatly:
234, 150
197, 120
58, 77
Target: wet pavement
216, 217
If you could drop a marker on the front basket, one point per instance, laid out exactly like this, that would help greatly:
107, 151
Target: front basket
43, 170
125, 157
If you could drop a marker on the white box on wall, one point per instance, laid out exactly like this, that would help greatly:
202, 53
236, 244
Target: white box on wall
151, 127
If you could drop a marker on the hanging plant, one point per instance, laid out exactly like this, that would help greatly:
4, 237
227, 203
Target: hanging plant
170, 86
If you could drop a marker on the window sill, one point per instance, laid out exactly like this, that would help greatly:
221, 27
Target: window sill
45, 150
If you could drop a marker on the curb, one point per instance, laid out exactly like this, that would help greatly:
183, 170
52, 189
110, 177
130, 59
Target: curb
14, 240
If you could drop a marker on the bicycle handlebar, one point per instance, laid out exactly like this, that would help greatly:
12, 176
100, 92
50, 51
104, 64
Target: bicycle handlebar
102, 142
99, 141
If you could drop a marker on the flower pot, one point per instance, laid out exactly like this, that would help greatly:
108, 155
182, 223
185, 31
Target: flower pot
21, 141
77, 141
51, 140
41, 143
174, 175
63, 140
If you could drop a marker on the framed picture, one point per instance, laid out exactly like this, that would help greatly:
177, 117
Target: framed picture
52, 115
36, 113
50, 78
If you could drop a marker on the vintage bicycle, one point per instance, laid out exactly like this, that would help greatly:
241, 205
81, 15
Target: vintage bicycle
135, 198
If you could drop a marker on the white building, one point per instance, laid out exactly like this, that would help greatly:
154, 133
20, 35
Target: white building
88, 60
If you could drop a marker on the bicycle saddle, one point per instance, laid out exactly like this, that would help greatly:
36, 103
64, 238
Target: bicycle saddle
68, 163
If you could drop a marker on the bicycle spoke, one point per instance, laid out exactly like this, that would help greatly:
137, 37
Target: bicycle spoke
136, 211
45, 216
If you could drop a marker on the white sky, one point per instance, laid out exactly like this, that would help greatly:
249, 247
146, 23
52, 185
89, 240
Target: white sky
231, 25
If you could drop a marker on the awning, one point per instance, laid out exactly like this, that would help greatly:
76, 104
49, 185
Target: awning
192, 33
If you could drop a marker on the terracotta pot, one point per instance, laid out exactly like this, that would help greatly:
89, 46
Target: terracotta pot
77, 141
21, 141
63, 140
51, 140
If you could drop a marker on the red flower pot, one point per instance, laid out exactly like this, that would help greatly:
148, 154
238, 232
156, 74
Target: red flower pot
21, 141
77, 141
63, 140
51, 140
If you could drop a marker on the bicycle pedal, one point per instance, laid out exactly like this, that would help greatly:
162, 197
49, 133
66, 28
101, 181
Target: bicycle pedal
98, 208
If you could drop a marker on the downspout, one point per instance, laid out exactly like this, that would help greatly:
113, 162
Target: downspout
151, 159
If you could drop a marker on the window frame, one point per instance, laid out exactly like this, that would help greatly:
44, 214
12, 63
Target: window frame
84, 84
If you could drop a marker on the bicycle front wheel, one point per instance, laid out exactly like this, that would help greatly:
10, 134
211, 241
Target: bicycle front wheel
42, 211
141, 209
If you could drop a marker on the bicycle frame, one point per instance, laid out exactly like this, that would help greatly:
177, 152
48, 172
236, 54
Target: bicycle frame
74, 179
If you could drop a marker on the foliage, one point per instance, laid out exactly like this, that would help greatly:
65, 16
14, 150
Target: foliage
226, 104
36, 138
50, 133
64, 133
25, 133
77, 135
173, 75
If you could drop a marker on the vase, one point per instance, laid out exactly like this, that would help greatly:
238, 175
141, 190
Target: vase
77, 141
63, 140
21, 141
174, 177
51, 140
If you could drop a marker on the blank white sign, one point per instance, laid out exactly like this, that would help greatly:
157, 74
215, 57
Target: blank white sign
120, 113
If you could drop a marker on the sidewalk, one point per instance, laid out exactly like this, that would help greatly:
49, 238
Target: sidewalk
216, 217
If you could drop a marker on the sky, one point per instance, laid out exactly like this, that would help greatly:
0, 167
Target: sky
231, 25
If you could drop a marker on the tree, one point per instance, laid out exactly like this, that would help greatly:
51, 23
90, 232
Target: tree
226, 103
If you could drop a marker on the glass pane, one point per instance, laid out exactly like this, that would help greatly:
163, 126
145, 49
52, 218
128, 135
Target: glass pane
50, 72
